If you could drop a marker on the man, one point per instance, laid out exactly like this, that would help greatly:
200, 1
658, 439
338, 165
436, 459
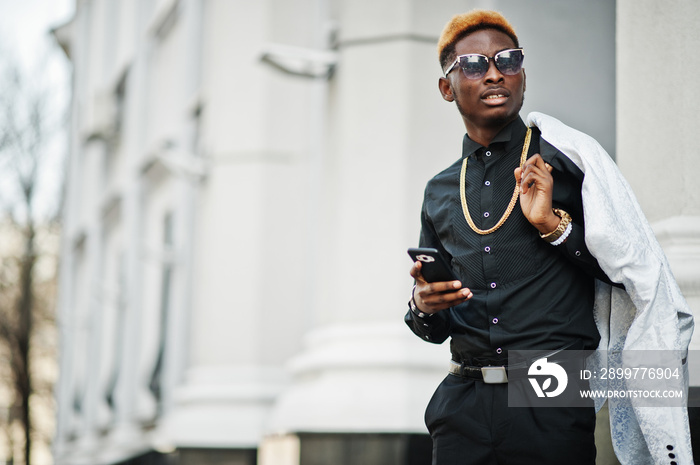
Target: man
509, 217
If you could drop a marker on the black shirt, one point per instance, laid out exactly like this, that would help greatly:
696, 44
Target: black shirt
528, 294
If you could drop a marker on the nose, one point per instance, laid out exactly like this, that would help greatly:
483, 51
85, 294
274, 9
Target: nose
493, 74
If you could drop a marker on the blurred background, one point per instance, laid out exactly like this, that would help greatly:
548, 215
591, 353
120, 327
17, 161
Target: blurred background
206, 206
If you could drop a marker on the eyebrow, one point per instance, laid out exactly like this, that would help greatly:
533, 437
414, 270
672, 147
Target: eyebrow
499, 51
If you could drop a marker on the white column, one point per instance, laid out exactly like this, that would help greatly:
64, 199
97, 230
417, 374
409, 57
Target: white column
657, 125
247, 258
361, 368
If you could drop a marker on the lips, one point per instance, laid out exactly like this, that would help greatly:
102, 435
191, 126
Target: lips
495, 96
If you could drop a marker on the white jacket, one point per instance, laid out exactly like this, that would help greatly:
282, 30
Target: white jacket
649, 314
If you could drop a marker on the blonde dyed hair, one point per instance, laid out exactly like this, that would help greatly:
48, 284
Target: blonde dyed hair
466, 23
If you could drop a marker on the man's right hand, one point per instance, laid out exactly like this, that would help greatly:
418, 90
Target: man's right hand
433, 297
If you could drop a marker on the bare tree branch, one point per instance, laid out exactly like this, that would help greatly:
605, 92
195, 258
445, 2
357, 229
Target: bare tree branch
26, 127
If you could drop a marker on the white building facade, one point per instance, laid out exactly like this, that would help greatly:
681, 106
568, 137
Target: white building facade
244, 180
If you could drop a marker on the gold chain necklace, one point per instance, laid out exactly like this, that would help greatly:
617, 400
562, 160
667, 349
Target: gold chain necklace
513, 200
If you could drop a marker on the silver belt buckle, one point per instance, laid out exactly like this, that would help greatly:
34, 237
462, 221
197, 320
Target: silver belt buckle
494, 375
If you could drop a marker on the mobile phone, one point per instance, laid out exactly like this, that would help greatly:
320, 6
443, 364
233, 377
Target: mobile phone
434, 268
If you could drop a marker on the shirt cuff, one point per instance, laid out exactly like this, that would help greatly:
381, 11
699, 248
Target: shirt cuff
414, 308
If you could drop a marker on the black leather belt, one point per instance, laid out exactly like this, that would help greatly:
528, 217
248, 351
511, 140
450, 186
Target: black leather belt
500, 374
489, 374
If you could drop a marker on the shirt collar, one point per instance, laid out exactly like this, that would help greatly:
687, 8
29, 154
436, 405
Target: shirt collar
510, 136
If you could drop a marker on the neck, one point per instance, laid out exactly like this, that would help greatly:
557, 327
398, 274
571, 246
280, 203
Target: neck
483, 135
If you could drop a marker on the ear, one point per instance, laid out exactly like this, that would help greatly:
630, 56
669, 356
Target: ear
445, 87
524, 80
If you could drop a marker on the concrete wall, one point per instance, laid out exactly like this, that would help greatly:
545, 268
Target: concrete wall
569, 61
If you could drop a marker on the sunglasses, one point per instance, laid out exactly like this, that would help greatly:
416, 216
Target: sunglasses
475, 66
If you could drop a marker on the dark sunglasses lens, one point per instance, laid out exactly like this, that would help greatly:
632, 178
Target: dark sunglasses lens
474, 66
509, 62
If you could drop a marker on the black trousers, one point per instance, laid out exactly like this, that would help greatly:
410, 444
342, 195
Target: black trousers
471, 424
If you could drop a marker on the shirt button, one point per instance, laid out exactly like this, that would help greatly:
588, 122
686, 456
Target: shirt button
578, 253
499, 351
495, 321
486, 214
487, 249
493, 285
488, 153
488, 183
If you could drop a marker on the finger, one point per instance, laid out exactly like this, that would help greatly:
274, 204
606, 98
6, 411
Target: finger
535, 160
531, 166
534, 173
541, 164
445, 286
416, 271
446, 299
535, 166
427, 291
535, 178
